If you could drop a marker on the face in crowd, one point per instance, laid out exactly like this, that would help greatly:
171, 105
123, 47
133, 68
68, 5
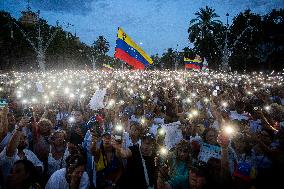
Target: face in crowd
23, 142
22, 173
211, 136
107, 140
135, 131
147, 146
45, 127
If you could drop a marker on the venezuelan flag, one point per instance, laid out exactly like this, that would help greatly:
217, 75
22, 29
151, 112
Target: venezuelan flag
192, 64
107, 66
128, 51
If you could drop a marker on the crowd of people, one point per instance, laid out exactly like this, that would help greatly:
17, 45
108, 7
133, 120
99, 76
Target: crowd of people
142, 130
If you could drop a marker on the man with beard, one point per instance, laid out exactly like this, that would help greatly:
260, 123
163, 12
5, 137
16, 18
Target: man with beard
17, 150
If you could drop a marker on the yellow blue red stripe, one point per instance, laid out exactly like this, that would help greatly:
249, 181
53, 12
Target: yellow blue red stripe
192, 63
131, 51
128, 51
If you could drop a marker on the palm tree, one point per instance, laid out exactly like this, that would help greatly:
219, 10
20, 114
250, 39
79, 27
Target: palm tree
202, 32
100, 47
168, 59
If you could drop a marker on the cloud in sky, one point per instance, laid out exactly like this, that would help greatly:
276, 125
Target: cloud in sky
158, 24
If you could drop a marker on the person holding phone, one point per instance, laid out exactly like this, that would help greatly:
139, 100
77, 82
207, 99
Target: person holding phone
58, 151
71, 177
107, 164
16, 150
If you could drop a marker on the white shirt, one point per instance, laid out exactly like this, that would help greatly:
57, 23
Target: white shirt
54, 165
235, 116
58, 180
6, 163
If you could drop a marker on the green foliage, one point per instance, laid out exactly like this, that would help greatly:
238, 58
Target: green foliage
255, 42
203, 32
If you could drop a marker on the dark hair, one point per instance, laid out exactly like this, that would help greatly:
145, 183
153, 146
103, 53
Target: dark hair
33, 176
75, 160
199, 168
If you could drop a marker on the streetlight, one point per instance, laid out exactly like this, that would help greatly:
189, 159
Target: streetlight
225, 59
176, 57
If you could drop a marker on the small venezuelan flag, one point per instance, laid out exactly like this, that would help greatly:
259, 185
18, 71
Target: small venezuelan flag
128, 51
107, 66
194, 64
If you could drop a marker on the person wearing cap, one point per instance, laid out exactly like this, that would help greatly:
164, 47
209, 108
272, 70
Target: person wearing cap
140, 172
107, 165
71, 177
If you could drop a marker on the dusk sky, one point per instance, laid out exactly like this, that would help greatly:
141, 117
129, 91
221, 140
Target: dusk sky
153, 24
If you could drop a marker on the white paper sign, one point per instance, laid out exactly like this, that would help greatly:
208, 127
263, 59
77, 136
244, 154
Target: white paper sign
173, 134
97, 101
207, 151
40, 88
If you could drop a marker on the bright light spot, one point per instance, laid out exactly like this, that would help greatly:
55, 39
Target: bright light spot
71, 119
24, 101
162, 132
194, 112
206, 100
34, 100
267, 108
66, 90
119, 128
163, 151
229, 130
188, 100
141, 43
143, 120
111, 102
224, 104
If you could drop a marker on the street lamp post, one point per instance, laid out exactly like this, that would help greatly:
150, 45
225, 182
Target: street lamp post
225, 58
176, 58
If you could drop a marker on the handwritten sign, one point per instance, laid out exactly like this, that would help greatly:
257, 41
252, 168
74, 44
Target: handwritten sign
207, 151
